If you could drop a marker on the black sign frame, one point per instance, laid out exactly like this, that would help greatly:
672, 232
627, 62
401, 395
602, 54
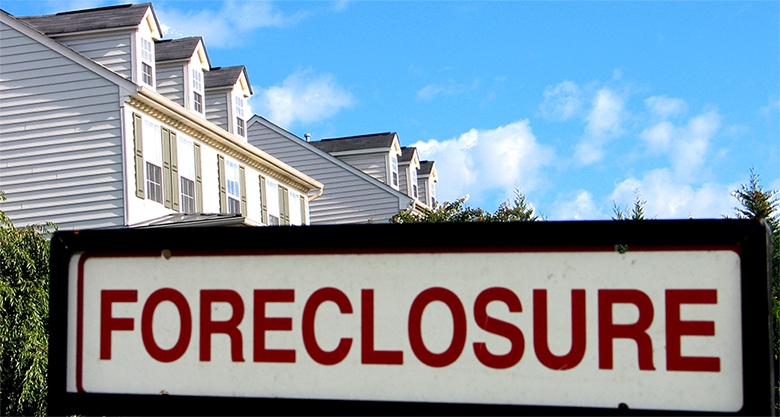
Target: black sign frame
751, 236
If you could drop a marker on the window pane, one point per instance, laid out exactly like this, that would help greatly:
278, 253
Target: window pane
240, 127
146, 74
187, 196
197, 102
153, 182
234, 206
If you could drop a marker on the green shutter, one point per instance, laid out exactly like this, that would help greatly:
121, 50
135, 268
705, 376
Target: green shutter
166, 168
174, 154
198, 181
303, 210
263, 204
284, 206
222, 184
138, 142
242, 187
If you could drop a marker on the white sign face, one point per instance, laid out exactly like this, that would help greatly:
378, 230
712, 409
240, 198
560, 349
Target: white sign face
651, 329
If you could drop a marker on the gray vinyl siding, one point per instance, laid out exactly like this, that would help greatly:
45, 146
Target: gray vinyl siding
216, 109
346, 198
112, 50
422, 190
374, 165
403, 180
60, 139
170, 82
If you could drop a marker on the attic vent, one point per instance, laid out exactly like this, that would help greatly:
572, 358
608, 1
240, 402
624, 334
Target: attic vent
307, 136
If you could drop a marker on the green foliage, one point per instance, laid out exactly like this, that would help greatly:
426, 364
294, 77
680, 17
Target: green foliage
635, 213
24, 317
757, 203
518, 210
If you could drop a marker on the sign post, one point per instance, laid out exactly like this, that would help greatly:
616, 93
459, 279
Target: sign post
548, 318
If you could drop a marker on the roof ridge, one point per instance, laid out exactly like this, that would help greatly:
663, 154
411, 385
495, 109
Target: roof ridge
359, 136
116, 6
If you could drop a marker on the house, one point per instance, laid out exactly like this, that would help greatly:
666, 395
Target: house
427, 177
99, 130
359, 193
408, 165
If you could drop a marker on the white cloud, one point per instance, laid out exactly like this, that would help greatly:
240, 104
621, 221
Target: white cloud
227, 25
604, 121
303, 97
578, 205
561, 102
479, 161
669, 196
665, 107
659, 137
431, 91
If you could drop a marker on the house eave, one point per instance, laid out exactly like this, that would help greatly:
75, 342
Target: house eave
193, 124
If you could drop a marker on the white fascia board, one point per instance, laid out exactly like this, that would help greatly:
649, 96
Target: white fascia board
222, 140
123, 83
361, 152
300, 142
200, 50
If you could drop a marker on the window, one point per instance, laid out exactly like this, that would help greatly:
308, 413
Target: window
197, 90
187, 196
272, 202
147, 59
295, 209
154, 182
153, 154
146, 74
394, 169
186, 166
197, 102
239, 106
240, 130
413, 180
433, 193
233, 187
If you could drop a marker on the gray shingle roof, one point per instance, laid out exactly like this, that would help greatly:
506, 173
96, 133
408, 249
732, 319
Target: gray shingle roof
176, 49
425, 168
225, 77
407, 153
351, 143
112, 17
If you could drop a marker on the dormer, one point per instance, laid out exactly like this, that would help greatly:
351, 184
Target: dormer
427, 177
121, 38
408, 164
227, 91
181, 64
376, 155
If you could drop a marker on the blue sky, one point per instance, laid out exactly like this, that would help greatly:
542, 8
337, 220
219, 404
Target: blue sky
577, 104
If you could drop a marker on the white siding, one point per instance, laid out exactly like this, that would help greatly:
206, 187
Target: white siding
347, 197
60, 139
112, 50
170, 82
217, 109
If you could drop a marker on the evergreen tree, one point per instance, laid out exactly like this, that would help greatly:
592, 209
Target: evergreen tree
518, 210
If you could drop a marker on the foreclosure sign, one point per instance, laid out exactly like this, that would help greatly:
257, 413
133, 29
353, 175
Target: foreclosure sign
645, 315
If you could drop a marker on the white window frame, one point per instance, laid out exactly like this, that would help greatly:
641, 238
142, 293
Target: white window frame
394, 169
153, 160
197, 90
186, 168
147, 61
238, 105
233, 186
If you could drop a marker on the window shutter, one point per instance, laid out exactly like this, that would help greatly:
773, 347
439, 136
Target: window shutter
174, 154
198, 181
166, 182
242, 186
263, 204
284, 206
303, 210
138, 142
222, 184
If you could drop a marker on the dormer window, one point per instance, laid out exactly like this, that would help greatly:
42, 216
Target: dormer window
433, 193
147, 58
394, 169
413, 180
240, 126
197, 91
